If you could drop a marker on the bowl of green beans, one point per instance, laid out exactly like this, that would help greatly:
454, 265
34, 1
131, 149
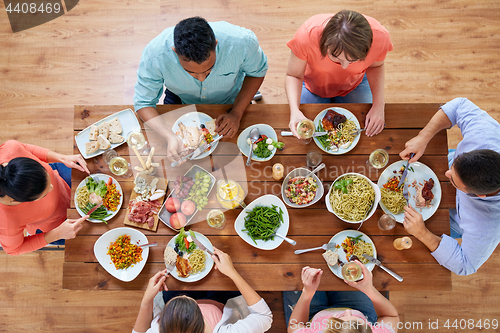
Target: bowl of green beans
260, 220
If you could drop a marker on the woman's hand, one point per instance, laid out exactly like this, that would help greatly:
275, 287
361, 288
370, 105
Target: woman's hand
295, 118
74, 162
374, 123
366, 284
155, 285
311, 277
66, 230
223, 263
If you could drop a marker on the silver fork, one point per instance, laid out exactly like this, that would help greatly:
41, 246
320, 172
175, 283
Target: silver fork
329, 246
170, 268
357, 131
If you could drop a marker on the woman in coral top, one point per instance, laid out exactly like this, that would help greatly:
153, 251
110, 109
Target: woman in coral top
338, 59
34, 197
339, 311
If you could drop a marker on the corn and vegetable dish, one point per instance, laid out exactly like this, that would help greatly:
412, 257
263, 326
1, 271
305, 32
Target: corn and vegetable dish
123, 253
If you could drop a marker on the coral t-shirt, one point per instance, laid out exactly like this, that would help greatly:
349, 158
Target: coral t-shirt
44, 214
325, 78
211, 311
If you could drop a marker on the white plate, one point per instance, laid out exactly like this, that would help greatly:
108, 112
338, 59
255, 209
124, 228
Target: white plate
101, 247
338, 239
301, 172
349, 116
129, 123
195, 119
374, 207
421, 172
209, 263
245, 147
101, 176
265, 200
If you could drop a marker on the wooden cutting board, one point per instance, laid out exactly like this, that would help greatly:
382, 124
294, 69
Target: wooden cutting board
162, 184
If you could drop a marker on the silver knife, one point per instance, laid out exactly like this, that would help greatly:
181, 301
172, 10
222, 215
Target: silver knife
288, 133
379, 264
201, 246
405, 172
197, 151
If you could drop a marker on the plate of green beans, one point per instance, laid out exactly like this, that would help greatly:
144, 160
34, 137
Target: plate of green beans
260, 220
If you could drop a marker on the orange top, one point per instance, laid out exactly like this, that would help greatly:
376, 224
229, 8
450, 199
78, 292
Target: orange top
325, 78
211, 311
44, 214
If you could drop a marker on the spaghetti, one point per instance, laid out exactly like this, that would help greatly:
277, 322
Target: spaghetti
82, 197
393, 200
356, 203
357, 247
197, 261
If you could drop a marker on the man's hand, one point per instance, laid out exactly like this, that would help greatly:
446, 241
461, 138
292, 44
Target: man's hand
227, 124
374, 123
295, 118
417, 146
175, 148
414, 223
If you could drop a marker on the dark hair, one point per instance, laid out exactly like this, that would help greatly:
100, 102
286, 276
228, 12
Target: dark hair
194, 39
182, 315
479, 170
348, 32
23, 179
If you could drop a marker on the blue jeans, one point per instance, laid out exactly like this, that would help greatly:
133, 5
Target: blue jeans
331, 299
455, 230
63, 171
171, 98
361, 94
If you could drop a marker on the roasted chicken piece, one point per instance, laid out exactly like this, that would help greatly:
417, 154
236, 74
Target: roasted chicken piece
191, 135
183, 267
332, 119
424, 195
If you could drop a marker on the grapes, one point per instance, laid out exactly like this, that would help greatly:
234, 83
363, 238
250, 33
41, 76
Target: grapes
199, 190
182, 186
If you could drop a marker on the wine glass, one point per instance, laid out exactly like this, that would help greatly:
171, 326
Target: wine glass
379, 158
138, 141
120, 167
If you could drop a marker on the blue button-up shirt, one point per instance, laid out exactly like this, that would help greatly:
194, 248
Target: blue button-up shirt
479, 218
237, 54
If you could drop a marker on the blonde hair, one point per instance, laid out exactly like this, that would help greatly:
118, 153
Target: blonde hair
337, 325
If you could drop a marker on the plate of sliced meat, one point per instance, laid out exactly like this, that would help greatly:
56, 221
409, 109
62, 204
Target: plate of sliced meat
340, 124
145, 202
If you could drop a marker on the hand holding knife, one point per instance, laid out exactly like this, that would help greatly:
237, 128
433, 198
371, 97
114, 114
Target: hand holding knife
403, 177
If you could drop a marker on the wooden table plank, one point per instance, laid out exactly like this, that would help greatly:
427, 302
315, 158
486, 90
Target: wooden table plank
268, 277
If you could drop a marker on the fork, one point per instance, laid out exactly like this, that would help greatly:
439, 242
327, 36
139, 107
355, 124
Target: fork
329, 246
170, 268
357, 131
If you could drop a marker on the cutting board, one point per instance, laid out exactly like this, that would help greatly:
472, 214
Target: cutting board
162, 184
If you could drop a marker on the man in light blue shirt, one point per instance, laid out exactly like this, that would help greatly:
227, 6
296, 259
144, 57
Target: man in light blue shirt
199, 63
475, 173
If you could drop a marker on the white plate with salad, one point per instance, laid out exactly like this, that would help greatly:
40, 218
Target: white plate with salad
94, 189
325, 143
268, 140
181, 246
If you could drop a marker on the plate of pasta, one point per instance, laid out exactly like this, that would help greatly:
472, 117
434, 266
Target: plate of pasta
352, 242
353, 198
192, 264
424, 190
95, 189
339, 123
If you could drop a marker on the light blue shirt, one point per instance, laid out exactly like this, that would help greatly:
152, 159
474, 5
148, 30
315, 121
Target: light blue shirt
479, 218
237, 54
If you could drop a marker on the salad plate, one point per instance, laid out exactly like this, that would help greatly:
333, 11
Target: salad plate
301, 172
350, 116
244, 147
98, 177
209, 263
192, 122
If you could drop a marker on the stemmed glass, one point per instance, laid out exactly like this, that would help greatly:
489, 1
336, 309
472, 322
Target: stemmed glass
117, 164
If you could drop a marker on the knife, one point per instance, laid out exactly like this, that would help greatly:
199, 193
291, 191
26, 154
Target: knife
197, 151
379, 264
405, 172
201, 246
94, 208
288, 133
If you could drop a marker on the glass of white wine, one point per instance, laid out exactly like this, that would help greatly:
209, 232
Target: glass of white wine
120, 167
305, 130
137, 140
216, 219
379, 158
351, 271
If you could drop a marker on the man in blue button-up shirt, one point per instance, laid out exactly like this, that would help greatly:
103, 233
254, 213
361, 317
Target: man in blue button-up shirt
199, 63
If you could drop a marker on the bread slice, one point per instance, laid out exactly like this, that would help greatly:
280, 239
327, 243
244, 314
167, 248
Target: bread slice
331, 257
103, 142
103, 129
115, 126
91, 147
93, 133
115, 138
210, 125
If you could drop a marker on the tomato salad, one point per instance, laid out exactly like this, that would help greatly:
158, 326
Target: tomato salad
124, 254
301, 190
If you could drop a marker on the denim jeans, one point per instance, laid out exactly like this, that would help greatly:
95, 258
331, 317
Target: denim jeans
331, 299
361, 94
171, 98
63, 171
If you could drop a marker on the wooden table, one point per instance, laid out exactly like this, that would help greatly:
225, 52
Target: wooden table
278, 269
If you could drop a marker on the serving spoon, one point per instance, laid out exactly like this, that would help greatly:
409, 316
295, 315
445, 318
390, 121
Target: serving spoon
254, 136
